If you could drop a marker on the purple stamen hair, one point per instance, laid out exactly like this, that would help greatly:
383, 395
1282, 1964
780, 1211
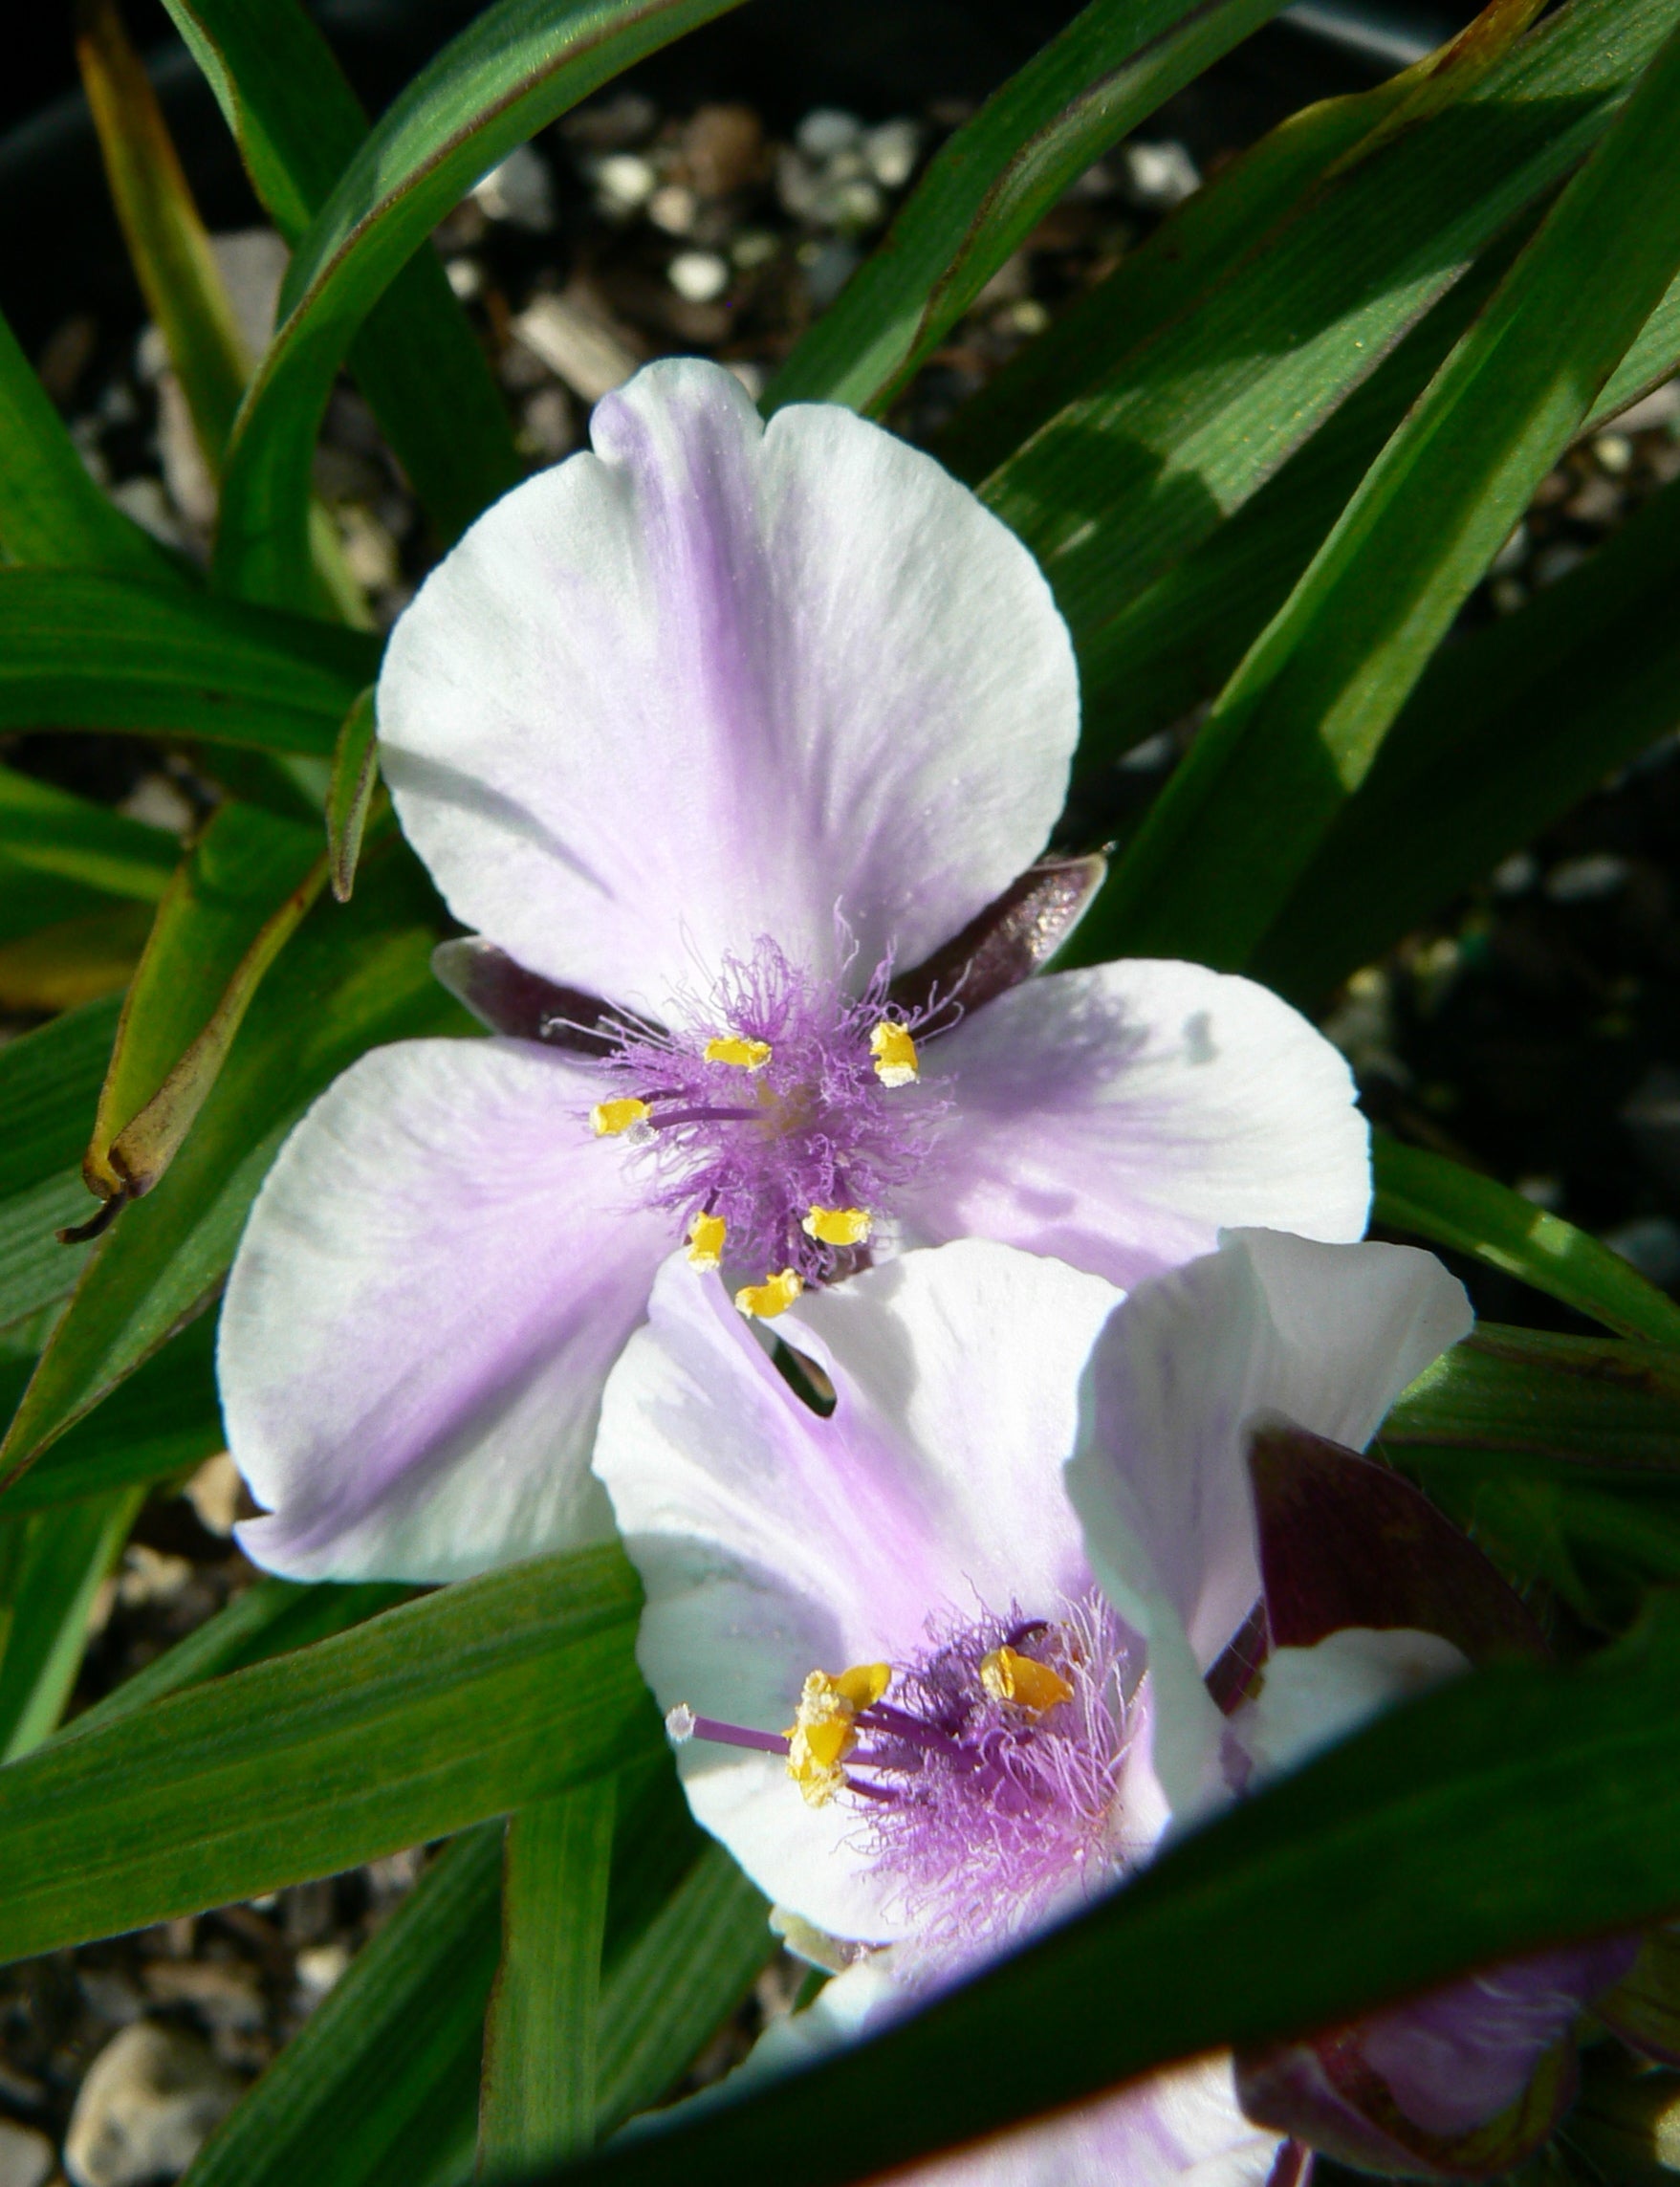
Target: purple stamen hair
986, 1812
813, 1127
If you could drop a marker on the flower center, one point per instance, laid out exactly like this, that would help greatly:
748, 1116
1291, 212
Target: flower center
776, 1122
986, 1771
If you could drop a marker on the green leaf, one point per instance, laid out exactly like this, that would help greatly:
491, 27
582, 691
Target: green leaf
1509, 726
159, 1426
167, 243
538, 2099
53, 831
389, 2061
1157, 407
516, 68
1427, 1196
433, 1717
1560, 1455
678, 1984
996, 178
1295, 730
381, 2088
50, 1083
353, 976
299, 124
1597, 1401
55, 1563
170, 250
51, 511
356, 775
1515, 1808
272, 1617
215, 925
63, 965
1170, 647
82, 651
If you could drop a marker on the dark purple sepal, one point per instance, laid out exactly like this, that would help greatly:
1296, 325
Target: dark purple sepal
1643, 2008
1328, 2095
521, 1004
1008, 941
1346, 1542
1236, 1669
1292, 2166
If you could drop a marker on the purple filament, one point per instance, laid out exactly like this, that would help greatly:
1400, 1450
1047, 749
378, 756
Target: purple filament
737, 1735
821, 1131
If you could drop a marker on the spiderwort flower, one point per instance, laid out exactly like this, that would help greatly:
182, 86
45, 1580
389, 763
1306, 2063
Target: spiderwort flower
716, 736
931, 1691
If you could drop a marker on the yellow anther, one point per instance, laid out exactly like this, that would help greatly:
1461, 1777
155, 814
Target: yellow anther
1008, 1675
706, 1236
746, 1054
821, 1734
773, 1297
837, 1226
894, 1053
608, 1118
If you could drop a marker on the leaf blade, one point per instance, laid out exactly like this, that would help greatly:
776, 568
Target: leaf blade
426, 1719
1295, 730
518, 66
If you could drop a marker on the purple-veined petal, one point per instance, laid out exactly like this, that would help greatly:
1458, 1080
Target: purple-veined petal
1270, 1327
773, 1542
1462, 2083
717, 680
1119, 1116
435, 1279
1182, 2128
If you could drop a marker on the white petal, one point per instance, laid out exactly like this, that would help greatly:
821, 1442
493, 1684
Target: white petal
435, 1279
1119, 1117
772, 1542
1312, 1696
715, 681
1180, 2127
1325, 1336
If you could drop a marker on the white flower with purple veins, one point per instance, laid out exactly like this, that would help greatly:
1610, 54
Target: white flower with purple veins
735, 746
931, 1693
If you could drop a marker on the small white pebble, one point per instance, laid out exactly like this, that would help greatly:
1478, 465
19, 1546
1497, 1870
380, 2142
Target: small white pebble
754, 246
856, 204
1158, 176
1660, 407
698, 277
1516, 874
519, 191
1556, 562
1614, 453
320, 1966
1028, 317
891, 150
1587, 879
827, 130
624, 181
752, 377
151, 354
466, 277
1649, 1243
1513, 553
673, 208
1541, 1192
1508, 594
